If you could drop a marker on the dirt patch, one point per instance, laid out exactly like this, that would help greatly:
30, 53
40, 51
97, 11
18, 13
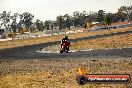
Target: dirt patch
52, 48
112, 42
59, 73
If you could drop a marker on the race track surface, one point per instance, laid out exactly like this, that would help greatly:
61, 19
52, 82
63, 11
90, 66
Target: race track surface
28, 52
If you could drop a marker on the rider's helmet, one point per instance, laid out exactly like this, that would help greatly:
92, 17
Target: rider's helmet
66, 37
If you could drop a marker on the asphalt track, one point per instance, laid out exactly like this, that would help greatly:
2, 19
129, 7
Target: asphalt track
28, 52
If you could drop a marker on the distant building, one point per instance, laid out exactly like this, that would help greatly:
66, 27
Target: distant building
95, 23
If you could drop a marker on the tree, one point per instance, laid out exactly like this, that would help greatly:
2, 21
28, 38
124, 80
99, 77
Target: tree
6, 22
46, 24
107, 20
39, 25
126, 10
76, 18
27, 20
51, 24
121, 16
101, 15
113, 17
60, 22
5, 19
93, 16
67, 22
15, 22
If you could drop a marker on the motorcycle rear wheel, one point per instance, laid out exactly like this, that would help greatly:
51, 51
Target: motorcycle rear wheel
61, 51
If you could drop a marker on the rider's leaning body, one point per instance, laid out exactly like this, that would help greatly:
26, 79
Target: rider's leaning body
65, 40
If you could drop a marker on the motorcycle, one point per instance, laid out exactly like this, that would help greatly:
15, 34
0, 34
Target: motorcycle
65, 46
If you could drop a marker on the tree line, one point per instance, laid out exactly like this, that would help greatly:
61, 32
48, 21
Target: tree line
17, 22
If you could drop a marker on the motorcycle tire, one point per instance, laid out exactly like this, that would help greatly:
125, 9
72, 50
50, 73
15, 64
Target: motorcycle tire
61, 51
66, 51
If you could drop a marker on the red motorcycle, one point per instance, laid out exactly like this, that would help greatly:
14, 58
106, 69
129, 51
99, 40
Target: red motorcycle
65, 46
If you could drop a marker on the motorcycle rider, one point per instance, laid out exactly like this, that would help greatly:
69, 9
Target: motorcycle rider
65, 39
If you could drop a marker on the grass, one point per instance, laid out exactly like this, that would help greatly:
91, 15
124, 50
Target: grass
118, 41
42, 74
17, 43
